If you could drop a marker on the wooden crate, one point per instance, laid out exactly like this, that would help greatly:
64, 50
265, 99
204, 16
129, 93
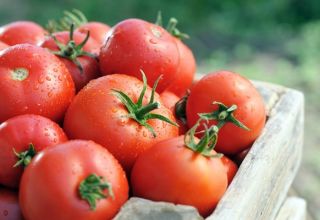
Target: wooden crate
261, 184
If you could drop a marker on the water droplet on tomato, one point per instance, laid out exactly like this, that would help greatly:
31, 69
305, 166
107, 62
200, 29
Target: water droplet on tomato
153, 41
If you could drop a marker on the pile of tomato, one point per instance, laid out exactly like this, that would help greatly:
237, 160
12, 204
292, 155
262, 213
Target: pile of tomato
92, 115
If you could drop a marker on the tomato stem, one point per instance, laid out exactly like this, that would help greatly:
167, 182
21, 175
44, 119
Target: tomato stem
139, 112
206, 144
24, 158
71, 50
91, 189
223, 115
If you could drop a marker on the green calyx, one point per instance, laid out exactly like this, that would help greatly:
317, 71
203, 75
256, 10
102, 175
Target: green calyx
71, 50
223, 115
139, 112
209, 140
24, 158
91, 190
206, 143
171, 27
75, 17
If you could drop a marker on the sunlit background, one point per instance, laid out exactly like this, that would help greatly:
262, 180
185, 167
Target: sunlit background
275, 40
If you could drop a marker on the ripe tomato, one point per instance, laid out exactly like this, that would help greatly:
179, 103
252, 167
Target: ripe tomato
97, 114
97, 30
9, 205
228, 88
87, 67
169, 100
134, 45
186, 71
171, 172
33, 81
240, 156
3, 46
20, 32
230, 167
59, 177
16, 135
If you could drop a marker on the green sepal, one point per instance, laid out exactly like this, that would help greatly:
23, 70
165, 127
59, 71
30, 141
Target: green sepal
25, 157
139, 112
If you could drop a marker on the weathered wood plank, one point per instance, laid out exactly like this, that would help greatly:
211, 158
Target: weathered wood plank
294, 208
267, 172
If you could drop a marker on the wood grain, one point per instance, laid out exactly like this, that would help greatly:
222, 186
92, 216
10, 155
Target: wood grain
294, 208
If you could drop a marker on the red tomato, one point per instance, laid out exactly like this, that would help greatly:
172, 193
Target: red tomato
20, 32
97, 114
54, 180
230, 167
3, 46
134, 45
186, 71
16, 134
169, 100
33, 81
171, 172
240, 156
89, 65
9, 205
229, 88
97, 30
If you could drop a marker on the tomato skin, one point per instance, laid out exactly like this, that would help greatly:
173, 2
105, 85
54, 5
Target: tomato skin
53, 177
171, 172
3, 46
9, 205
90, 65
17, 133
134, 45
47, 89
96, 114
186, 71
97, 30
21, 32
230, 167
229, 88
169, 100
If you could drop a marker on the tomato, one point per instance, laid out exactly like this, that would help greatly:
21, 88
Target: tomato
9, 205
97, 114
240, 156
134, 45
56, 184
186, 71
97, 30
171, 172
3, 46
33, 81
169, 100
230, 167
87, 68
229, 88
20, 32
16, 135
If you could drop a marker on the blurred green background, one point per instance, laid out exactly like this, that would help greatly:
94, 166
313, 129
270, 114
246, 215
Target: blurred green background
275, 40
